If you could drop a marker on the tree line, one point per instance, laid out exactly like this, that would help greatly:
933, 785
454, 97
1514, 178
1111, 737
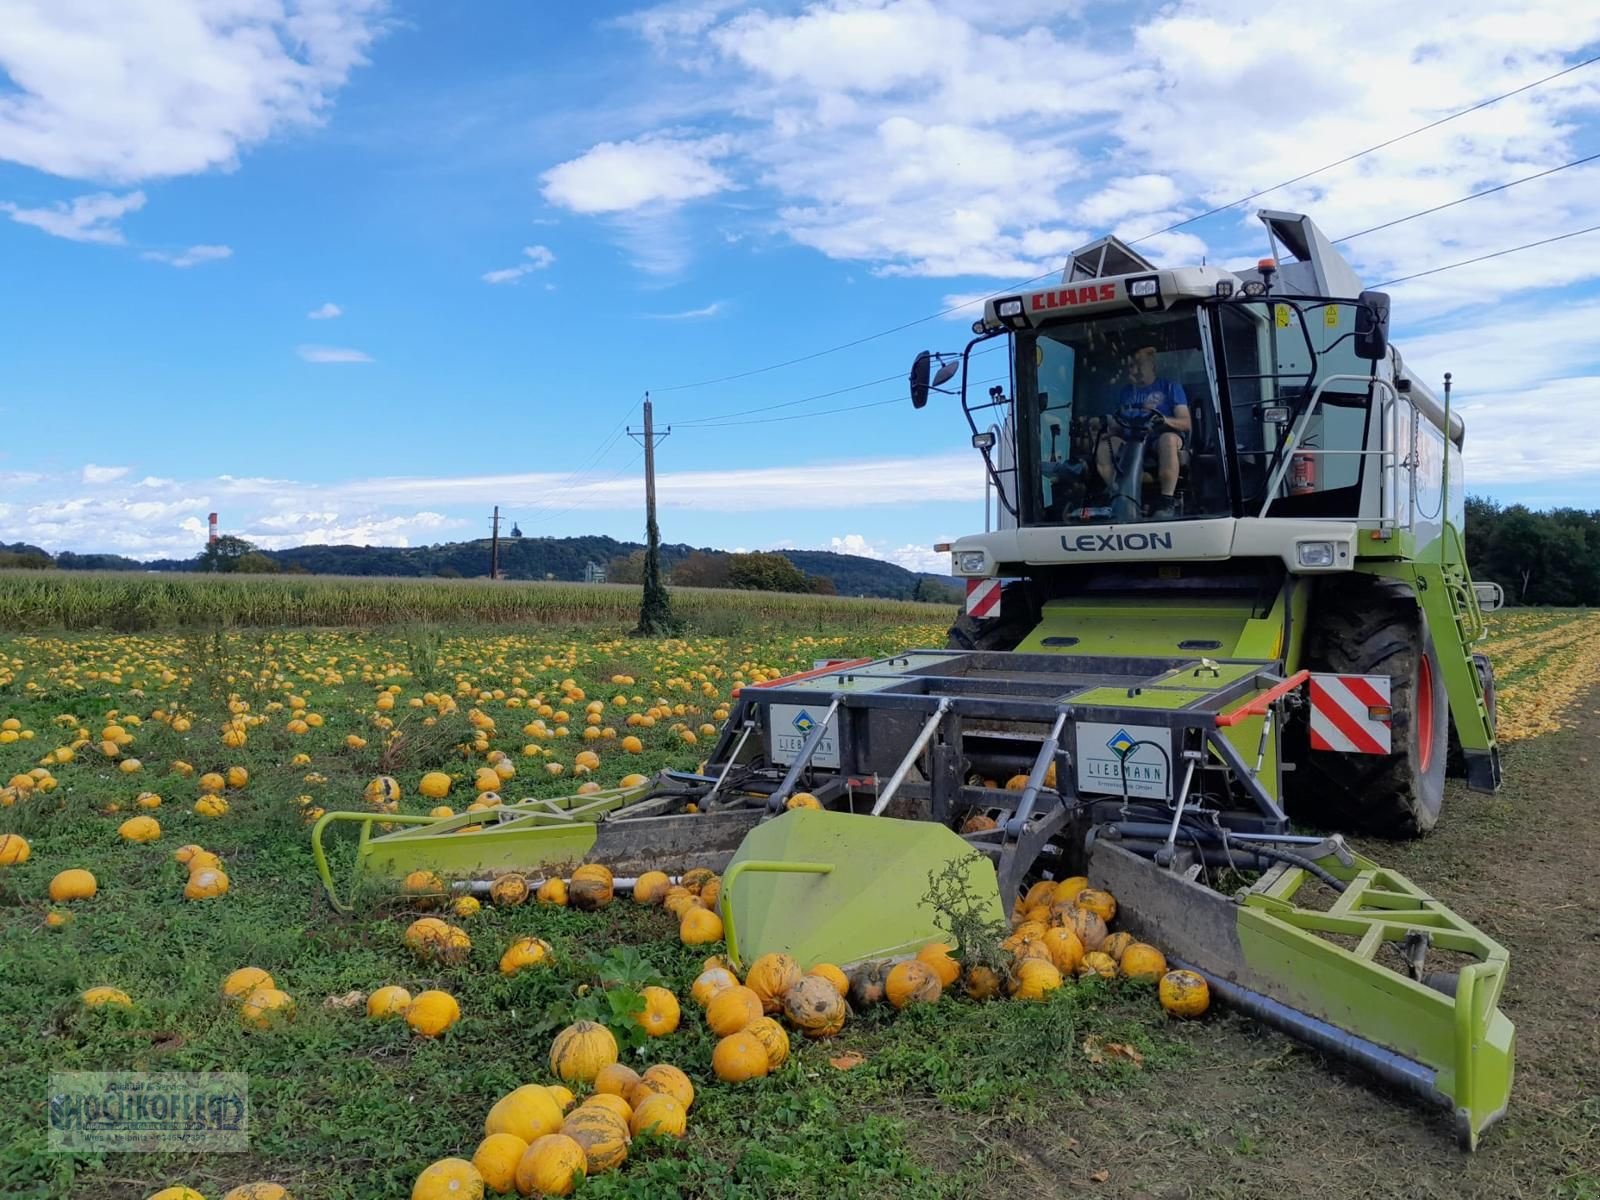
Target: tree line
1550, 557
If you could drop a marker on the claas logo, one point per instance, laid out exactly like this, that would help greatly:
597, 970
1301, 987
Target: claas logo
1065, 297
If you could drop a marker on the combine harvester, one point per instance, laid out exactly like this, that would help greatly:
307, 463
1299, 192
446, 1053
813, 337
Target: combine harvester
1230, 526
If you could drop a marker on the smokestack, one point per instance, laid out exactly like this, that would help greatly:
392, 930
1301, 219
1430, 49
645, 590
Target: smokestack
213, 537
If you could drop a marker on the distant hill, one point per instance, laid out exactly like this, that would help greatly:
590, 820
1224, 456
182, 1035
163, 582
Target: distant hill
542, 558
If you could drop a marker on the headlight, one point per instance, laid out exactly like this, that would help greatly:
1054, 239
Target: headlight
1314, 554
1142, 287
970, 562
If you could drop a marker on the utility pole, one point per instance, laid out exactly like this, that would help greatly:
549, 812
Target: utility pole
494, 546
655, 611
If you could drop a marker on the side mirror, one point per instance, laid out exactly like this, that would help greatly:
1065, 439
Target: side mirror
1372, 326
945, 373
920, 367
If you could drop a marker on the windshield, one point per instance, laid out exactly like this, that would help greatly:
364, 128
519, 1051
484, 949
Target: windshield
1118, 422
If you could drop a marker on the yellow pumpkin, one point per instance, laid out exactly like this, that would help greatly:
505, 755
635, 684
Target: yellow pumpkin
432, 1012
139, 830
912, 982
527, 1112
1030, 930
651, 887
774, 1037
98, 997
423, 888
978, 823
840, 981
14, 850
936, 957
981, 982
696, 878
212, 782
390, 1001
679, 900
423, 931
1143, 962
1066, 951
1101, 904
615, 1079
666, 1080
700, 927
508, 891
814, 1007
589, 892
1038, 894
770, 977
1067, 890
602, 1134
659, 1114
210, 806
1116, 943
661, 1012
177, 1193
580, 1050
184, 853
448, 1179
206, 884
241, 982
732, 1009
435, 785
802, 800
561, 1095
496, 1159
710, 893
552, 892
1034, 978
740, 1056
466, 906
1184, 993
524, 952
264, 1005
200, 860
237, 777
73, 884
551, 1166
1089, 927
1097, 962
709, 982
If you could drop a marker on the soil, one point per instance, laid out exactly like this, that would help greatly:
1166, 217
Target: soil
1251, 1113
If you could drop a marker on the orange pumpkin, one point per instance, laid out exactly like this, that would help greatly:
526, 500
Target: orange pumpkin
1034, 978
615, 1079
912, 982
1142, 962
1089, 927
709, 982
740, 1056
508, 891
1101, 904
814, 1007
665, 1080
1184, 993
1116, 943
602, 1134
936, 957
840, 981
661, 1012
580, 1050
981, 983
1066, 951
732, 1009
527, 1112
770, 977
551, 1166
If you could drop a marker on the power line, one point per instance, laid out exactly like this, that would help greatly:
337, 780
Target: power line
806, 416
1577, 162
1210, 212
1467, 262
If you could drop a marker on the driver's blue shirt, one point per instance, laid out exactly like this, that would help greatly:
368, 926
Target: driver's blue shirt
1162, 396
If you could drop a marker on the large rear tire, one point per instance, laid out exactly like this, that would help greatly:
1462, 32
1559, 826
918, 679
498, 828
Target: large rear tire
1380, 631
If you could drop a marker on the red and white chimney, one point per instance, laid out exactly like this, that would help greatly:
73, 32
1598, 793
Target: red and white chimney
213, 537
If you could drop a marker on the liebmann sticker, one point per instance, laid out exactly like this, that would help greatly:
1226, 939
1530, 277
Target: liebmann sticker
145, 1111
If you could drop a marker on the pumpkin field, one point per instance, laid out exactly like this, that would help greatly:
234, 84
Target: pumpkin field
160, 911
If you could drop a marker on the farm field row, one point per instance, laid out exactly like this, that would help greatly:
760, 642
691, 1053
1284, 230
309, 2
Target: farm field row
295, 722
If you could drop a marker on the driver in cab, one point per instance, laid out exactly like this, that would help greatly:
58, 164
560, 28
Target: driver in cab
1154, 408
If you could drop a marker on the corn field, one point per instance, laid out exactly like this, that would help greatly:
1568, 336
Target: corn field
31, 601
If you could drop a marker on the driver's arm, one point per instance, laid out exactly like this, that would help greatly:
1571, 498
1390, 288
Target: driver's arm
1179, 421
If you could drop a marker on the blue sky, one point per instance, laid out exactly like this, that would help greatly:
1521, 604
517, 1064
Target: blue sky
347, 270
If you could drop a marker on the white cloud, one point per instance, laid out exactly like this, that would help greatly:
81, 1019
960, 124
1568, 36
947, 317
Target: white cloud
948, 137
715, 309
911, 557
94, 474
325, 312
332, 354
192, 257
92, 218
539, 258
615, 177
157, 88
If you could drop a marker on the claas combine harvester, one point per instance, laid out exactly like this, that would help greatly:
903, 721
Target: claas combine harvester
1227, 584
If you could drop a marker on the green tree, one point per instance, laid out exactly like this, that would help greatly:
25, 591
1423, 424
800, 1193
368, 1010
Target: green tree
223, 555
702, 569
256, 563
765, 572
627, 569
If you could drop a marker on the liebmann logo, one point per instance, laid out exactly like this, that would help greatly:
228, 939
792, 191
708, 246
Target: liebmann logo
122, 1111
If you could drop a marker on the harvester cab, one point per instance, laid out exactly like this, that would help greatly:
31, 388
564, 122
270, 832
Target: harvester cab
1228, 584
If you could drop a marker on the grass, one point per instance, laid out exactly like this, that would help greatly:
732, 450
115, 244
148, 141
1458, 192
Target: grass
32, 601
957, 1100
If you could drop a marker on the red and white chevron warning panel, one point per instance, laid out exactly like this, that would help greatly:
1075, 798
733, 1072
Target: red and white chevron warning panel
983, 597
1350, 713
